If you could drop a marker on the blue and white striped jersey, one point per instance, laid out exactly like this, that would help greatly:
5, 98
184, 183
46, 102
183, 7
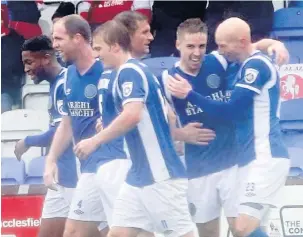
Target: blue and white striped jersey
253, 107
108, 110
67, 162
82, 105
210, 82
260, 133
150, 143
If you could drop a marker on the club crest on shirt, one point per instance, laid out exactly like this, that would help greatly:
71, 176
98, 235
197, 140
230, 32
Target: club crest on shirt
250, 75
90, 91
213, 81
127, 88
50, 102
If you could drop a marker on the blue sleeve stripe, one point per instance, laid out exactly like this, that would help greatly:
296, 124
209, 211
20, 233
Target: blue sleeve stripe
164, 81
59, 83
133, 100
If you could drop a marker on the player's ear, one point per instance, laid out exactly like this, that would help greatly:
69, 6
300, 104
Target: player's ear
47, 59
178, 44
77, 38
115, 48
243, 42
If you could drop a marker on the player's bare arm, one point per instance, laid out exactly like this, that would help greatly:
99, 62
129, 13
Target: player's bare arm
128, 119
60, 143
273, 48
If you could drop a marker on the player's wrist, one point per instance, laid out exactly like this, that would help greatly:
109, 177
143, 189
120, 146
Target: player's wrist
25, 142
96, 140
51, 159
189, 93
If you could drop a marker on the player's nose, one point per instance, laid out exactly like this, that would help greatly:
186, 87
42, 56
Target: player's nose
150, 37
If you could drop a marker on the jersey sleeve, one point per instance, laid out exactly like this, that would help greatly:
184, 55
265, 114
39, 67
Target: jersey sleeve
219, 59
65, 109
163, 82
132, 85
59, 102
42, 140
254, 75
103, 85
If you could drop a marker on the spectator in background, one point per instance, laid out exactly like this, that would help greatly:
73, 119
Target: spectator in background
64, 9
11, 67
24, 18
258, 14
98, 12
167, 15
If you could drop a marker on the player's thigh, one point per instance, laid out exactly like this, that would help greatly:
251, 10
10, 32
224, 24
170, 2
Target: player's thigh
76, 228
52, 227
244, 225
86, 204
111, 176
171, 216
117, 231
144, 233
203, 198
129, 215
104, 231
209, 229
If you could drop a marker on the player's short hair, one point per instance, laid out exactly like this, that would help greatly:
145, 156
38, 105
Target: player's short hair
75, 24
191, 26
40, 43
130, 20
113, 32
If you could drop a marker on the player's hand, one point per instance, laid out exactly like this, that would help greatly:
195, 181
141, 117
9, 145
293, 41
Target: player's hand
195, 134
279, 52
99, 125
178, 86
20, 149
84, 148
50, 175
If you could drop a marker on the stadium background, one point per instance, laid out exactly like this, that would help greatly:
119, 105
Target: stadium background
22, 189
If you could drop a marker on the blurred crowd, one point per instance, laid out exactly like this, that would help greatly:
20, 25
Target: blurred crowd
20, 21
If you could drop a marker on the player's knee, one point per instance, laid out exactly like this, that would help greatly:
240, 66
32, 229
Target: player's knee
71, 229
240, 230
116, 232
71, 232
123, 232
244, 225
209, 229
145, 234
